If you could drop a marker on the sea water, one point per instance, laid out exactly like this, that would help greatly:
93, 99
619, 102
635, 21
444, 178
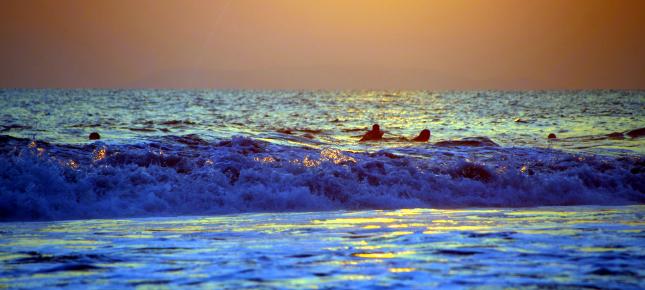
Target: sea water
579, 247
229, 189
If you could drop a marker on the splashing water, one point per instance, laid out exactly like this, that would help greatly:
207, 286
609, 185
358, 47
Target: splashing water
295, 201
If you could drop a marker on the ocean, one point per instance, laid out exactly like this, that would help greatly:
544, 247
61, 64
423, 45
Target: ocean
272, 189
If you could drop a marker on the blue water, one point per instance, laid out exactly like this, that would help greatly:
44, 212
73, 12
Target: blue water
270, 189
576, 247
581, 119
167, 152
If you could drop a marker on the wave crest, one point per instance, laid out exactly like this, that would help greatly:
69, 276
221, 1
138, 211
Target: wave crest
187, 175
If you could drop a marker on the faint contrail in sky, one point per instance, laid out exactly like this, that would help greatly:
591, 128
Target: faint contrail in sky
202, 51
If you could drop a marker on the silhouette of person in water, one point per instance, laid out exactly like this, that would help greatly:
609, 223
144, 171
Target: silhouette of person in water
424, 136
374, 135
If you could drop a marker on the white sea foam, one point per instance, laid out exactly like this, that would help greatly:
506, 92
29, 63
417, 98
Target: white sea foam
187, 175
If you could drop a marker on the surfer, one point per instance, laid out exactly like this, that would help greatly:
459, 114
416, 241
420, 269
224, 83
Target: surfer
373, 135
424, 136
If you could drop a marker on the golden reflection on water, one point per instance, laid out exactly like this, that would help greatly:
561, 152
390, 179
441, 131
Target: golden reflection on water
266, 159
633, 223
371, 227
407, 212
383, 255
445, 229
550, 231
396, 234
376, 255
354, 221
39, 242
99, 154
335, 156
374, 247
308, 162
72, 164
405, 226
356, 277
401, 270
601, 249
331, 155
341, 246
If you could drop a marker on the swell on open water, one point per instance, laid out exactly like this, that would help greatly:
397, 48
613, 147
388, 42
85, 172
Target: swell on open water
170, 152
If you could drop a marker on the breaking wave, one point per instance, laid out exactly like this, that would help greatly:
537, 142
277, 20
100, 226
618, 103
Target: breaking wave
186, 175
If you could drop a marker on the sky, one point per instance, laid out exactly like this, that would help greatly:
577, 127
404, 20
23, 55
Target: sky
332, 44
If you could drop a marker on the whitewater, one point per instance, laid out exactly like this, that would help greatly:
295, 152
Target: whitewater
272, 189
167, 152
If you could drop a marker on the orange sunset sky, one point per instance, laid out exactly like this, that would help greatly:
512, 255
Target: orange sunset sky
300, 44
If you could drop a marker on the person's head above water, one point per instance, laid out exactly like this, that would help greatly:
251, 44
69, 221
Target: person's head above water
424, 136
94, 136
373, 135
